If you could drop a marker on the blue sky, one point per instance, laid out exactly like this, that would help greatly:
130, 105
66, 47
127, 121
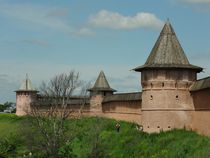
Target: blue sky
44, 38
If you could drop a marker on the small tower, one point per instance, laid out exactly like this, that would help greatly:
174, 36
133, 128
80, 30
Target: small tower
100, 89
166, 78
24, 96
101, 86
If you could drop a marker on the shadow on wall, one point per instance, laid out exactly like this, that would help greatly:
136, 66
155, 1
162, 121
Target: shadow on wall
126, 106
201, 99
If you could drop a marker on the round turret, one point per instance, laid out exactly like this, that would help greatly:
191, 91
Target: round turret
166, 78
24, 97
100, 89
101, 86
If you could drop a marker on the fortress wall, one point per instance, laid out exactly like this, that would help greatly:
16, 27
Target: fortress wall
201, 122
120, 110
95, 107
123, 110
23, 101
77, 111
201, 99
201, 117
166, 120
166, 109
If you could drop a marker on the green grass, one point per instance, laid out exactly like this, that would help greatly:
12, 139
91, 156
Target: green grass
9, 123
131, 143
99, 135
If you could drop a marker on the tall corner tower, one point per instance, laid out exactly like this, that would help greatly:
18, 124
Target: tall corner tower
25, 95
166, 78
100, 89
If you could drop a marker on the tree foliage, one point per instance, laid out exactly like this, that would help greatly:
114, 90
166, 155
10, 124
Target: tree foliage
7, 106
56, 98
8, 146
2, 107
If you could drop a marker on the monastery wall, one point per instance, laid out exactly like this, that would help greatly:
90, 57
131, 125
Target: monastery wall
166, 120
123, 110
120, 110
201, 122
95, 106
154, 116
201, 116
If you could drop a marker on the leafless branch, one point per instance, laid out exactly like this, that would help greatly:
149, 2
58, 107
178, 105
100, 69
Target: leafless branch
53, 107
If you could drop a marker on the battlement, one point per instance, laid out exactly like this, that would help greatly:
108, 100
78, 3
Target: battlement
166, 85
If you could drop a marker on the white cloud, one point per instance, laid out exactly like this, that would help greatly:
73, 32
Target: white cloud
114, 20
39, 16
56, 18
36, 15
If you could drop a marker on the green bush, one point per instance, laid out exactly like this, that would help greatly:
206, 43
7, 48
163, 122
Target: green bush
9, 146
66, 151
6, 149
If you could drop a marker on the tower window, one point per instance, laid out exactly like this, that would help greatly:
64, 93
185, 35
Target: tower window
151, 97
177, 97
176, 85
162, 84
151, 85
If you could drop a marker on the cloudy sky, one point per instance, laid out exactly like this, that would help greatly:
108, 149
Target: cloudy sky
47, 37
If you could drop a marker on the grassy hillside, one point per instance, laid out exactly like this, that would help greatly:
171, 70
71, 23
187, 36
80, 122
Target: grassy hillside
9, 123
98, 136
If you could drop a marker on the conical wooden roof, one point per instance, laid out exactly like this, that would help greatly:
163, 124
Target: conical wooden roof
167, 52
26, 85
101, 84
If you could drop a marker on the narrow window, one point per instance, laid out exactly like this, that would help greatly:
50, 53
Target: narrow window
162, 84
151, 97
177, 97
186, 85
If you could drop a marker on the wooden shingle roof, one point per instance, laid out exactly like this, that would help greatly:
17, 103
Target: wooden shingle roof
101, 84
201, 84
26, 85
135, 96
167, 53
